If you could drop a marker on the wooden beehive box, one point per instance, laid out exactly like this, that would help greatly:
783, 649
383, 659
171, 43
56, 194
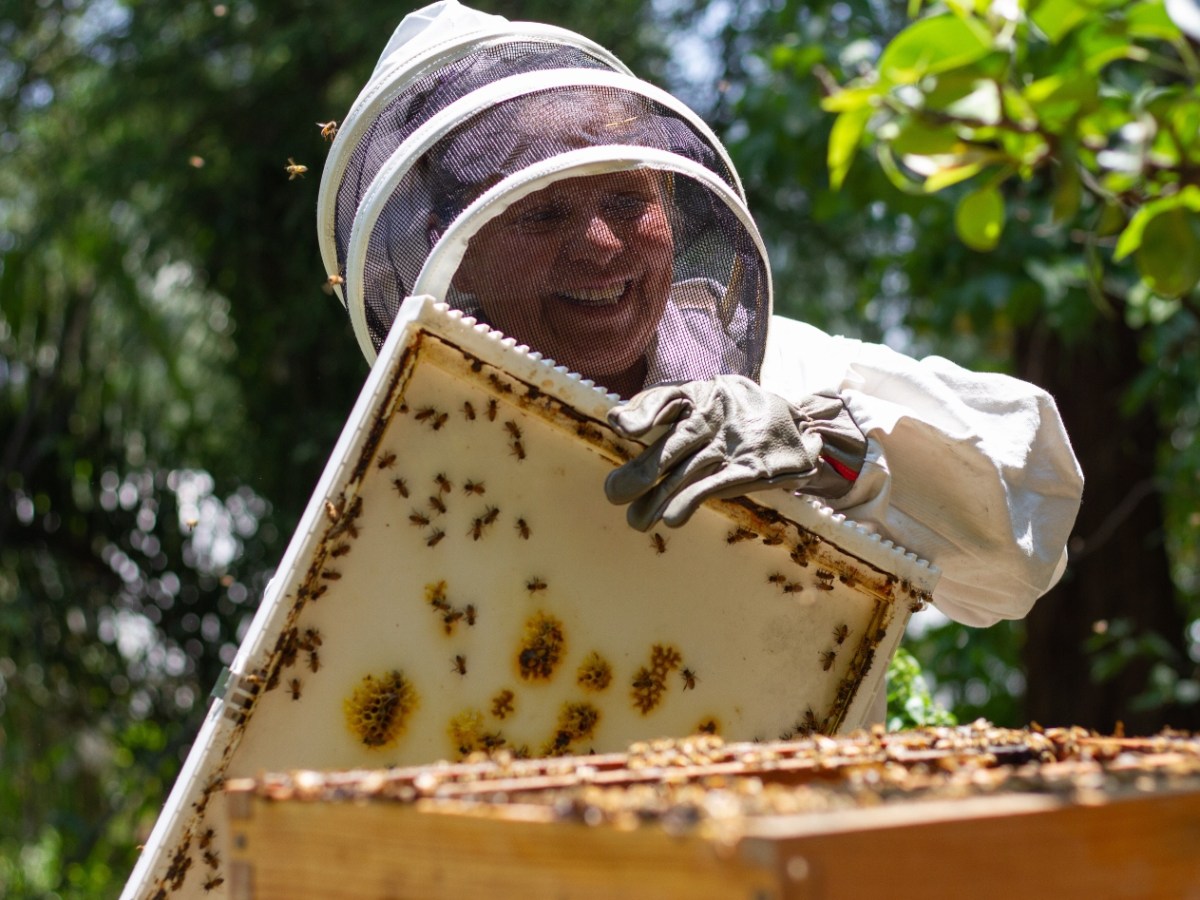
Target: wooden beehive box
973, 812
459, 583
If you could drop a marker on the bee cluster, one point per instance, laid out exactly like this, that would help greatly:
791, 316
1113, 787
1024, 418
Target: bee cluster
650, 682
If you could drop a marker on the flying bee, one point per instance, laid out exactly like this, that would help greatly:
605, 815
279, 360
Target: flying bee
294, 688
443, 483
432, 540
841, 633
294, 169
659, 543
387, 460
436, 504
439, 421
470, 613
314, 661
777, 578
468, 411
793, 587
328, 129
828, 657
474, 487
533, 585
401, 486
425, 413
489, 515
331, 282
418, 519
523, 529
689, 679
460, 664
518, 450
514, 429
492, 409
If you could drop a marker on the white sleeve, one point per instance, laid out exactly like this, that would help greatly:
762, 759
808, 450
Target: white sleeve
972, 471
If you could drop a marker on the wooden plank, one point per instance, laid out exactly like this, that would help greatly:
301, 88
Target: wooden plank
294, 851
989, 849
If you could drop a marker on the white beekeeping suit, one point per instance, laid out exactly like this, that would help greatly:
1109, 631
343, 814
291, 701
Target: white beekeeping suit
521, 173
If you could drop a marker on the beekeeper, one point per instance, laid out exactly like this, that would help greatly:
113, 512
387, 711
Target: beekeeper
522, 174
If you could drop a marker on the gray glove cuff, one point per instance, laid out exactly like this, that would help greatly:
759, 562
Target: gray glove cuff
844, 446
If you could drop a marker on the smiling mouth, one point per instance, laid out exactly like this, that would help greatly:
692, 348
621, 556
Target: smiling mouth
607, 296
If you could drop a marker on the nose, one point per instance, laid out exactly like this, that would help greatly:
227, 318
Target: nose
596, 241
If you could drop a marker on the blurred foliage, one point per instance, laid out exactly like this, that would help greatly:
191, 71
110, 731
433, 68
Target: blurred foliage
172, 377
909, 702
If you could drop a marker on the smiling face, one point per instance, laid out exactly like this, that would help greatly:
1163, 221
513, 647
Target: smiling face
580, 272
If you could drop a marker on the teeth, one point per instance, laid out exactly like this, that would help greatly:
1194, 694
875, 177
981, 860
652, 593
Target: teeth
597, 296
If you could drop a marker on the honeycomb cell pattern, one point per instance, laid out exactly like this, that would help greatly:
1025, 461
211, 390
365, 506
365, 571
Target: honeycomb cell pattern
380, 707
542, 647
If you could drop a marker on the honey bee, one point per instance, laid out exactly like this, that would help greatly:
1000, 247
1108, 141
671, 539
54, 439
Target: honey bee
331, 282
533, 585
793, 587
777, 578
425, 413
314, 661
518, 450
211, 859
190, 524
772, 540
418, 519
312, 638
439, 421
492, 409
331, 575
213, 883
474, 487
501, 386
206, 838
810, 721
689, 679
825, 575
339, 550
432, 540
401, 486
451, 618
828, 657
800, 558
824, 585
513, 429
489, 515
387, 460
476, 531
294, 169
523, 529
468, 411
841, 633
659, 543
739, 534
460, 664
436, 504
333, 512
294, 688
328, 129
470, 613
443, 483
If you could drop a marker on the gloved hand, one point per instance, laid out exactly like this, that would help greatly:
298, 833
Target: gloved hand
730, 437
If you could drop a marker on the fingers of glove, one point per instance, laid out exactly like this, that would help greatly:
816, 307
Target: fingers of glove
649, 409
648, 508
634, 478
730, 482
671, 451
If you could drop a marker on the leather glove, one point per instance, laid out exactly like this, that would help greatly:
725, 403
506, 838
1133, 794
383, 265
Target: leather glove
728, 437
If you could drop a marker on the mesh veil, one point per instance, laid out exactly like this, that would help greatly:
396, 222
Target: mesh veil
573, 207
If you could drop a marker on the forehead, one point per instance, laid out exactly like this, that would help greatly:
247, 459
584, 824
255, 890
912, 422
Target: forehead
646, 183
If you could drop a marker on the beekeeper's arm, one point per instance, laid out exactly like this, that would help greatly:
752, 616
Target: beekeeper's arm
971, 471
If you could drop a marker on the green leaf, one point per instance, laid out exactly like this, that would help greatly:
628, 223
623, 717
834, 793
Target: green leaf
1150, 20
979, 218
1134, 234
1068, 194
1168, 257
844, 139
933, 45
1058, 17
951, 175
853, 98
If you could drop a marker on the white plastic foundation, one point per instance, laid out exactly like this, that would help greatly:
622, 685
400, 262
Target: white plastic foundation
415, 618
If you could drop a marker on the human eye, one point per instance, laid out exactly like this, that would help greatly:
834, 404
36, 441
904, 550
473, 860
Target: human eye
542, 217
627, 206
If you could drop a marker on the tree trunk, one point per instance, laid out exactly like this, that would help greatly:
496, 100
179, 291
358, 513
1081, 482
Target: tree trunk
1119, 568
